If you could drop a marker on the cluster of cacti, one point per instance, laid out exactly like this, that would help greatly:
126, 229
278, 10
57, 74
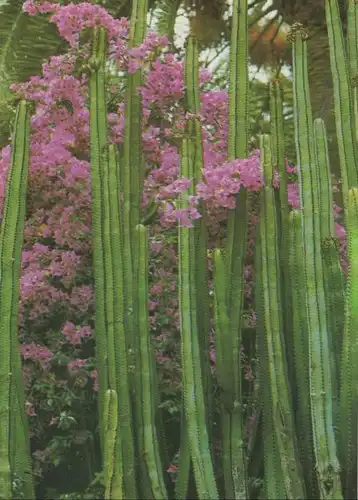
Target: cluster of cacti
15, 468
306, 314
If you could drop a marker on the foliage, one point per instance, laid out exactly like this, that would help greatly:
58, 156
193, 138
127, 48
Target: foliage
169, 110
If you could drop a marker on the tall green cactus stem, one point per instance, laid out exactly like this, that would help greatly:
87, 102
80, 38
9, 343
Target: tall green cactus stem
98, 140
107, 253
273, 478
150, 453
231, 412
191, 363
191, 82
237, 238
349, 367
182, 481
113, 483
238, 82
224, 362
132, 176
352, 50
116, 335
14, 462
352, 38
134, 168
192, 104
300, 349
319, 357
281, 409
279, 163
333, 279
343, 98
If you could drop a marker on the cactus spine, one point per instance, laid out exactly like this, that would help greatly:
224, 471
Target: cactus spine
14, 444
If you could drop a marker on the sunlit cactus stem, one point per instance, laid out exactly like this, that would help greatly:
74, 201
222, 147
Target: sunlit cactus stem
98, 144
352, 52
236, 485
15, 461
327, 464
333, 278
343, 96
272, 328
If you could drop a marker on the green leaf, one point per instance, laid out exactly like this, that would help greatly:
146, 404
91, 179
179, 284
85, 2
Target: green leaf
25, 43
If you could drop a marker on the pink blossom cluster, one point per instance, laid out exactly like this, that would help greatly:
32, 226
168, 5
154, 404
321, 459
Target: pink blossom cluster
36, 353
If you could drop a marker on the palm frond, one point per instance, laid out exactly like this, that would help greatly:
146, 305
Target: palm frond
166, 14
25, 43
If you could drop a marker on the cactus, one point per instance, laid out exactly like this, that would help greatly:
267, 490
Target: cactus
352, 47
279, 163
273, 479
98, 138
191, 363
333, 279
14, 443
235, 463
281, 407
151, 454
112, 468
299, 294
343, 99
319, 356
349, 368
305, 333
300, 350
192, 98
108, 269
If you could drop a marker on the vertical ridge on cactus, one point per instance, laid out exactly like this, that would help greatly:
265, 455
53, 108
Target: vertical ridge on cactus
192, 372
14, 444
300, 350
110, 424
98, 141
330, 256
151, 453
